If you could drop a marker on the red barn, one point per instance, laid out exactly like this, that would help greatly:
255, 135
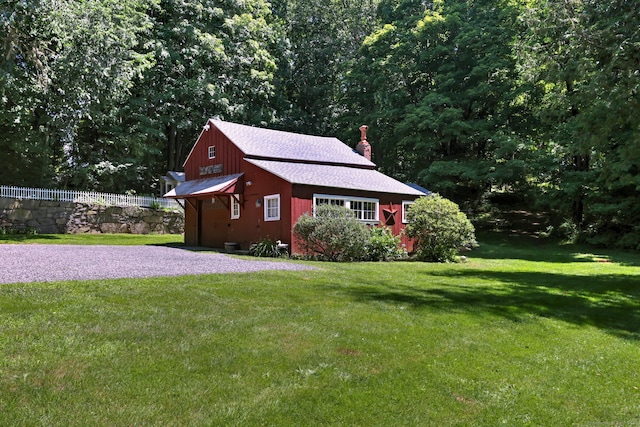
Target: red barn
244, 184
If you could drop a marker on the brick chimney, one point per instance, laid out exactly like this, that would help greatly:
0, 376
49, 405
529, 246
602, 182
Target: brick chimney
363, 147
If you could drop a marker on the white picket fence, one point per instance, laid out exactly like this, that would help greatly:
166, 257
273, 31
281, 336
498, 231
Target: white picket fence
85, 197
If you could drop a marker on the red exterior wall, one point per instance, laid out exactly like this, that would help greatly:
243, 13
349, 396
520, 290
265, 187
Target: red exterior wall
215, 222
191, 222
302, 202
206, 222
213, 216
228, 156
251, 226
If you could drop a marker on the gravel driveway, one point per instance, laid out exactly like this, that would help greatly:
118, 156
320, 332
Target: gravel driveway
48, 263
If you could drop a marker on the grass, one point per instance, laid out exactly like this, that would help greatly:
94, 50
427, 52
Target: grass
94, 239
523, 333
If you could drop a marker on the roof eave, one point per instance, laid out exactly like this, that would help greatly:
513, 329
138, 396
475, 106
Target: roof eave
372, 166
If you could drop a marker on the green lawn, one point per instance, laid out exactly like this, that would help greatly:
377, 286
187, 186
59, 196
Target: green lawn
94, 239
523, 333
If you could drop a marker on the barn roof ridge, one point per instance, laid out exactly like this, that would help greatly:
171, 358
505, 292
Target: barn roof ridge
336, 176
271, 144
307, 162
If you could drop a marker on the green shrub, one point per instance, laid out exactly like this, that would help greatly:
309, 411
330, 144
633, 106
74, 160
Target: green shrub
569, 231
333, 234
267, 248
5, 231
383, 245
439, 229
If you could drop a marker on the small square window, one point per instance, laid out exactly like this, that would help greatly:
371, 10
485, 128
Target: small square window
272, 207
212, 151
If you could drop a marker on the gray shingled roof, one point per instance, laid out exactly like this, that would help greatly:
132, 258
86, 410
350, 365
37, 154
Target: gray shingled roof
335, 177
257, 142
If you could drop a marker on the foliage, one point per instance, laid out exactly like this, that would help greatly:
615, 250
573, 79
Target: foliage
66, 67
267, 248
348, 342
212, 58
449, 106
383, 245
568, 231
582, 55
80, 85
439, 228
319, 39
8, 231
466, 98
332, 234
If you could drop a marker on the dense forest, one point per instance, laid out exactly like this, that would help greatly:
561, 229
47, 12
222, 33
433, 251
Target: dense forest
534, 102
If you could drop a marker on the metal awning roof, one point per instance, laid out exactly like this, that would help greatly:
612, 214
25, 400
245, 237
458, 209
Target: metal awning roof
206, 187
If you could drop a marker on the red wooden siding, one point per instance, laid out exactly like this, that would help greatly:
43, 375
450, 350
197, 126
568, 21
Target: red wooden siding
215, 222
302, 202
299, 206
191, 222
228, 156
217, 227
253, 226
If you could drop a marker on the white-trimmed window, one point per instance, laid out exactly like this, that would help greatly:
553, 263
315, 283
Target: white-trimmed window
212, 151
406, 204
235, 206
327, 200
272, 207
364, 209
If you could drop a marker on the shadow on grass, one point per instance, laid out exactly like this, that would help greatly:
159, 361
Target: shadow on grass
609, 302
505, 245
182, 246
176, 245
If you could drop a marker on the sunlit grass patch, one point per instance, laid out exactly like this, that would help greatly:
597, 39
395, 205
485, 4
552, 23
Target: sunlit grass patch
95, 239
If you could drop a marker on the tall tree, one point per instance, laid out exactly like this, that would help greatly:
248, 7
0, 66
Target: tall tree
65, 63
439, 81
212, 58
26, 158
320, 39
584, 53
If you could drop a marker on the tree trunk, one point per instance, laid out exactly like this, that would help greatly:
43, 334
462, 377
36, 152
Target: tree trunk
171, 146
581, 163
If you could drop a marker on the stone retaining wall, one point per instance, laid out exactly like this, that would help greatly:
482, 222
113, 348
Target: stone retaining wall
46, 217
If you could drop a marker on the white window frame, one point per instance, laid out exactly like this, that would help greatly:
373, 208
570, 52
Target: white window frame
351, 203
272, 216
406, 204
235, 206
212, 152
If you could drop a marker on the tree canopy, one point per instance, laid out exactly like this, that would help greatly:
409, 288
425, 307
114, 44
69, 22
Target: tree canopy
470, 98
